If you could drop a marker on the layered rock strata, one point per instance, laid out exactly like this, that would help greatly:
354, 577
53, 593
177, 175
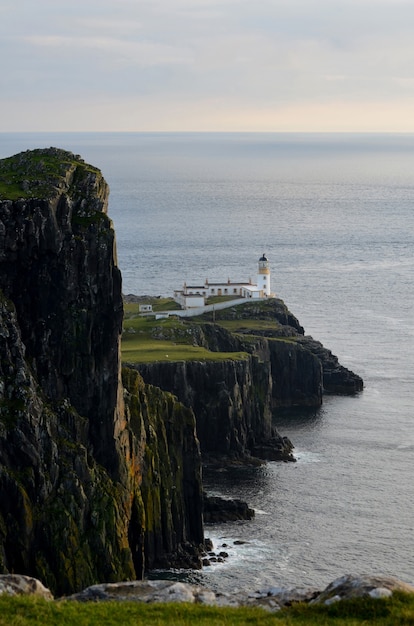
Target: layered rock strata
235, 401
99, 479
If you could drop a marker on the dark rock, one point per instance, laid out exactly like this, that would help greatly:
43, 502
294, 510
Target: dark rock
275, 450
218, 509
232, 401
99, 479
208, 544
336, 378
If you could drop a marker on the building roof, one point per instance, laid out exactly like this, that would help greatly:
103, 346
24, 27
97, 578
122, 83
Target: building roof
228, 284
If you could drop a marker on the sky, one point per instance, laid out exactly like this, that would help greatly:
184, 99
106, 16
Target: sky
207, 65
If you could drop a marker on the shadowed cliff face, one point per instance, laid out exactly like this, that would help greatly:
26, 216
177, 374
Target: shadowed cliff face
57, 265
97, 482
231, 400
234, 399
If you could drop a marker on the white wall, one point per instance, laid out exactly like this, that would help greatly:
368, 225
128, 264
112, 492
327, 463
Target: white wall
208, 308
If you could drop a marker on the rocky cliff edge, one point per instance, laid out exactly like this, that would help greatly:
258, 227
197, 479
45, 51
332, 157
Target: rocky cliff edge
99, 478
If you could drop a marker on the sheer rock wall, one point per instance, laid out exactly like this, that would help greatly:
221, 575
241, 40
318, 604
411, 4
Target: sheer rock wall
98, 481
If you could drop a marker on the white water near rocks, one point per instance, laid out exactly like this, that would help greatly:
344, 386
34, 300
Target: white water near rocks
335, 216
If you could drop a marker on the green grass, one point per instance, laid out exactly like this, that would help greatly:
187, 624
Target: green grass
249, 324
26, 611
146, 340
36, 173
158, 305
148, 352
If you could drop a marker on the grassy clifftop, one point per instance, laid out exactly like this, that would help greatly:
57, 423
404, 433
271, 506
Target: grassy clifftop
146, 340
38, 173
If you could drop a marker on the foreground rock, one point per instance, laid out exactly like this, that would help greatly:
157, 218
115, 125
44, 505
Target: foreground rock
348, 587
272, 598
14, 585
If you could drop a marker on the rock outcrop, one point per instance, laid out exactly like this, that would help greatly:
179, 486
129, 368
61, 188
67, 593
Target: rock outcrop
288, 332
230, 398
271, 598
99, 479
236, 400
217, 509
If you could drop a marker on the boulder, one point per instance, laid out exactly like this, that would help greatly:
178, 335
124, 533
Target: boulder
17, 585
217, 509
352, 586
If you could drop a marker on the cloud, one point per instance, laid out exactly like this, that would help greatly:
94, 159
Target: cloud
230, 59
140, 53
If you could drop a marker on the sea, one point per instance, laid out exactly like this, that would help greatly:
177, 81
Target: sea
334, 214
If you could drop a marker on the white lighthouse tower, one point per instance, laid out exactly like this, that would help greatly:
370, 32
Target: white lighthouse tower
263, 277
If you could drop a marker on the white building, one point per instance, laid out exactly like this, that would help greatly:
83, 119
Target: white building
194, 296
145, 308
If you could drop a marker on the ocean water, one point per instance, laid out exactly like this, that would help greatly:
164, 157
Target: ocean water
335, 216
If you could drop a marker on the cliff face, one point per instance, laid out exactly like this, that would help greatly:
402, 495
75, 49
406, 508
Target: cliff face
284, 335
58, 267
97, 482
231, 400
234, 399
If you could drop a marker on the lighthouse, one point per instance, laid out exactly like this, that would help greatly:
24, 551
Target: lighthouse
263, 277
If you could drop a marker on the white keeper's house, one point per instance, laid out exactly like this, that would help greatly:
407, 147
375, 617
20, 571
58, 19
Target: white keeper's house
194, 296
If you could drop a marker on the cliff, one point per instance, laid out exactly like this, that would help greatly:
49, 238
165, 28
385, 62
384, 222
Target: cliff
236, 399
230, 399
99, 479
272, 320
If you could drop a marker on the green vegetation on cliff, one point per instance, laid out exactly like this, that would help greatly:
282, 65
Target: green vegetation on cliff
38, 173
146, 340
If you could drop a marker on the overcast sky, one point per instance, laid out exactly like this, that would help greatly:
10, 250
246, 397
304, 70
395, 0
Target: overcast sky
225, 65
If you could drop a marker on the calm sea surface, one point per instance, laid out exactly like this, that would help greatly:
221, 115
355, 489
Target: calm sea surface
335, 216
